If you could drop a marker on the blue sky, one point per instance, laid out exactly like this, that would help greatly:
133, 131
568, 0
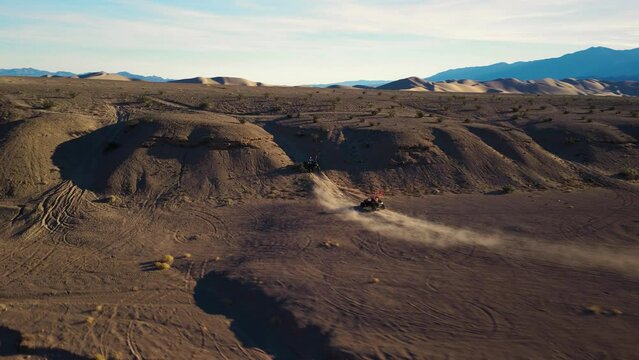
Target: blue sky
292, 42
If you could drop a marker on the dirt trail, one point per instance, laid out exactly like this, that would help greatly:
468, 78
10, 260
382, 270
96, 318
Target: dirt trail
395, 225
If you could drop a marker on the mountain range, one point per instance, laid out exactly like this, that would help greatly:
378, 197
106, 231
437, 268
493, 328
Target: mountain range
593, 63
38, 73
604, 64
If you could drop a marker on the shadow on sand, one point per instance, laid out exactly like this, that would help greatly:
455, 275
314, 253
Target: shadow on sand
261, 321
10, 346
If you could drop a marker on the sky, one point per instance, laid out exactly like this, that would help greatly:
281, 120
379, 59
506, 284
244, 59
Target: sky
294, 42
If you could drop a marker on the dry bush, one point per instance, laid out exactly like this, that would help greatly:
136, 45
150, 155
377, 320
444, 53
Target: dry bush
169, 259
162, 265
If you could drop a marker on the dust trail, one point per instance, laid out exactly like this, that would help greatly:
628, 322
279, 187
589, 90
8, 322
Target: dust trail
395, 225
392, 224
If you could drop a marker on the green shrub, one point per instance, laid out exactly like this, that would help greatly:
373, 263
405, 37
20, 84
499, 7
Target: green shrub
629, 173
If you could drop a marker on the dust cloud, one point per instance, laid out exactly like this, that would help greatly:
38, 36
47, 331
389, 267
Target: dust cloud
341, 201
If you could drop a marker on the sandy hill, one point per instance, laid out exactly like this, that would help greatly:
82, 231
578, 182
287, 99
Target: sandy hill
236, 81
200, 155
197, 80
410, 83
101, 75
219, 80
547, 86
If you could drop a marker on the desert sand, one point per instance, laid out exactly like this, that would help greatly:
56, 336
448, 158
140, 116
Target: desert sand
219, 80
170, 221
516, 86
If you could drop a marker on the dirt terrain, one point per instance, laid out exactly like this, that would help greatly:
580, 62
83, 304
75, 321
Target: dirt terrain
512, 229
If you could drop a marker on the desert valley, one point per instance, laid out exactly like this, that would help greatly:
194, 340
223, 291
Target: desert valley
145, 220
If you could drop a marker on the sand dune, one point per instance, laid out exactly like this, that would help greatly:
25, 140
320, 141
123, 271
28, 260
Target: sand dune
197, 80
219, 80
224, 80
101, 75
515, 86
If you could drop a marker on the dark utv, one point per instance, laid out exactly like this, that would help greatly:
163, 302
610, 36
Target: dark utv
372, 204
310, 165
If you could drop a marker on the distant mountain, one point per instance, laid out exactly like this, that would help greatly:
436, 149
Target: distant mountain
365, 84
152, 78
38, 73
32, 72
595, 63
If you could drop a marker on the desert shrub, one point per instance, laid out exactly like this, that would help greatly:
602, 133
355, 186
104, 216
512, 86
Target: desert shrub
204, 106
73, 94
162, 265
242, 121
419, 114
5, 115
143, 99
46, 104
289, 116
315, 118
374, 112
507, 189
629, 173
168, 259
350, 117
110, 199
391, 113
